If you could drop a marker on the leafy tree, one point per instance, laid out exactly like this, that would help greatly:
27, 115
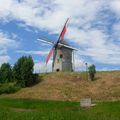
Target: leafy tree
6, 73
23, 71
92, 71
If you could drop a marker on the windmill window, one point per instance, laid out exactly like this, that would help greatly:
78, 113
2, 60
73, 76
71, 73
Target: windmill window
61, 56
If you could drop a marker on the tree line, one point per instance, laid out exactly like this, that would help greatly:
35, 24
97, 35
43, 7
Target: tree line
20, 73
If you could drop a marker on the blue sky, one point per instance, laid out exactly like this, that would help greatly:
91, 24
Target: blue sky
93, 28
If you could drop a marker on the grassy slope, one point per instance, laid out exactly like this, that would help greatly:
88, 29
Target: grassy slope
23, 109
73, 87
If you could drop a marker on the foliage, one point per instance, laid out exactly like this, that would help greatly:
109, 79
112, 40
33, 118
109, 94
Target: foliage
26, 109
20, 75
6, 73
36, 79
92, 71
8, 88
23, 71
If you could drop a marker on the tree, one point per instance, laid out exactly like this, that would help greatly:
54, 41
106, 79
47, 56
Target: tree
92, 71
6, 73
23, 71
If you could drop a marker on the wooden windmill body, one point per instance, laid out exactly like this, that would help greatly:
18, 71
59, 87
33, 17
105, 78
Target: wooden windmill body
63, 58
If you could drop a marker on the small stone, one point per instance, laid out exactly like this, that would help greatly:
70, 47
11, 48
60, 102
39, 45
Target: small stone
86, 102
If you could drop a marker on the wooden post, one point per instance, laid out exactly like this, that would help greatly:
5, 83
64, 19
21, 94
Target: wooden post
86, 71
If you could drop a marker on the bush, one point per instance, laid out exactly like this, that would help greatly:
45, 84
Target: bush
36, 79
92, 71
8, 88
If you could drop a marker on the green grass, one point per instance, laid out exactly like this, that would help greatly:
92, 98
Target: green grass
24, 109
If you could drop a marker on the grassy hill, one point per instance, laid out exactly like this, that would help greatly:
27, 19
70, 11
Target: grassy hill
73, 87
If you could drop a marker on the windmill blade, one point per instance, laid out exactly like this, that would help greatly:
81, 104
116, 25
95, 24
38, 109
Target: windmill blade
67, 46
45, 41
49, 55
62, 32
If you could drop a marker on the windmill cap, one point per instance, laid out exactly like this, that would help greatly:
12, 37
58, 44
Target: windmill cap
64, 42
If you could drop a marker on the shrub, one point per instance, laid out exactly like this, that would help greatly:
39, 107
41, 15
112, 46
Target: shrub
92, 71
35, 79
8, 88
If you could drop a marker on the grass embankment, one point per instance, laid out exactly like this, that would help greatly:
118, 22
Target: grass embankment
73, 87
24, 109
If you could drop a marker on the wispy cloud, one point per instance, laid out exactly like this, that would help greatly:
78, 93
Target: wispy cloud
41, 67
93, 26
33, 52
4, 59
6, 42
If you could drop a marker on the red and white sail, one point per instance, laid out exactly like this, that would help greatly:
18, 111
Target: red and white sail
61, 37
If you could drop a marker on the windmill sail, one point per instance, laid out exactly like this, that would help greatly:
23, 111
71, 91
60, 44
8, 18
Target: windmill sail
45, 41
64, 31
61, 37
49, 55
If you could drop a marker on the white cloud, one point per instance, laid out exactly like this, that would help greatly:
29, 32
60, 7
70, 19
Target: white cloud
3, 51
42, 67
115, 6
6, 42
49, 15
116, 32
33, 52
96, 44
79, 64
4, 59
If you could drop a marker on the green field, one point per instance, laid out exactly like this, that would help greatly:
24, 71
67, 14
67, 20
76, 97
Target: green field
24, 109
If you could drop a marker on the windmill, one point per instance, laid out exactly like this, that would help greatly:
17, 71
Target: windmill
63, 57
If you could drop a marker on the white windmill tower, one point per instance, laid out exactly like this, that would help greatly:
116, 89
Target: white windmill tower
63, 57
